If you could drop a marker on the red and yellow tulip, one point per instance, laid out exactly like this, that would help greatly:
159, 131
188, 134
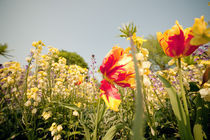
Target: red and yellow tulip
118, 67
109, 93
176, 41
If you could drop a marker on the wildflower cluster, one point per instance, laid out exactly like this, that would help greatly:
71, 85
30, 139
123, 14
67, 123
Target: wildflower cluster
45, 82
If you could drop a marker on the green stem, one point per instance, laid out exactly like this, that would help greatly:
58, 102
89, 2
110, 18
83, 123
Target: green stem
96, 122
183, 94
138, 121
49, 78
159, 99
26, 80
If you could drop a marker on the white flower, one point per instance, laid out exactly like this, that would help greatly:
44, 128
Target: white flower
139, 56
28, 103
36, 103
32, 50
146, 81
10, 80
205, 93
34, 111
146, 64
59, 128
141, 71
28, 59
53, 132
75, 113
58, 137
38, 99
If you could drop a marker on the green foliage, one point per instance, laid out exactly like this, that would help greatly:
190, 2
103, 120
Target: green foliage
73, 58
128, 30
3, 50
178, 110
156, 55
189, 60
112, 132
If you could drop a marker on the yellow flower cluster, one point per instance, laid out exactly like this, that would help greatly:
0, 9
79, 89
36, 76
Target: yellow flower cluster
33, 98
10, 74
46, 78
138, 41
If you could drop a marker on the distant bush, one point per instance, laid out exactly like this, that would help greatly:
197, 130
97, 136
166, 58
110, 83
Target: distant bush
73, 58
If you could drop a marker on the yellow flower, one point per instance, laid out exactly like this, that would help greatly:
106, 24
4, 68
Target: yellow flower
34, 44
46, 115
145, 52
138, 41
78, 104
53, 51
53, 126
171, 62
206, 62
200, 32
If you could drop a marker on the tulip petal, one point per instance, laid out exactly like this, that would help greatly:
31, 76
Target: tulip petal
118, 67
110, 95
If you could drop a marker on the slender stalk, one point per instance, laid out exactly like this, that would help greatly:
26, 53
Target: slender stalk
138, 121
96, 122
183, 93
49, 78
159, 99
26, 80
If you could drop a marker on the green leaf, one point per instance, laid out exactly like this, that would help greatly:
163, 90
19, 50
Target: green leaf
14, 135
40, 129
87, 132
198, 129
178, 110
101, 112
198, 132
73, 133
112, 131
68, 106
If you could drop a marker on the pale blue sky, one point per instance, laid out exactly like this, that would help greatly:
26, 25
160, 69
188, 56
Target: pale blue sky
88, 26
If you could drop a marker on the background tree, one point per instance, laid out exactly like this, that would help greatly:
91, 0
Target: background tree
73, 58
156, 55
